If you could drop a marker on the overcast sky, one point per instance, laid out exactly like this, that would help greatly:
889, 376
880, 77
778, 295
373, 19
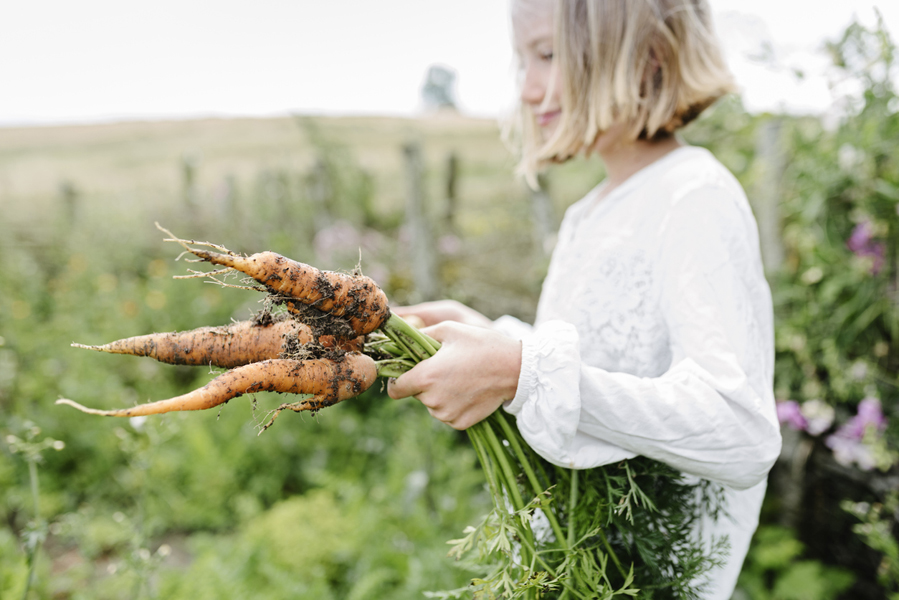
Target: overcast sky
95, 60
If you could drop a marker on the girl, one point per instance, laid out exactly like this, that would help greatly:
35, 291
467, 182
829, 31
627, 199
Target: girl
654, 330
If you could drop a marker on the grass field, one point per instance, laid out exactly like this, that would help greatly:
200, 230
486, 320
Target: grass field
250, 179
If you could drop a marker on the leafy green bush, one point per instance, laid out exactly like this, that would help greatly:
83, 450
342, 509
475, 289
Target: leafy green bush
774, 570
837, 298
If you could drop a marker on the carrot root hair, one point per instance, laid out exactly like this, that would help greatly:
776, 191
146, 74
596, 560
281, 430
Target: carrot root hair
354, 298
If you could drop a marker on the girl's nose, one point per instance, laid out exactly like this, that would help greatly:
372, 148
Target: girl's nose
533, 87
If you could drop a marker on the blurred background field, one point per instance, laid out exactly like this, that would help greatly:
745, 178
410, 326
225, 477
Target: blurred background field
359, 500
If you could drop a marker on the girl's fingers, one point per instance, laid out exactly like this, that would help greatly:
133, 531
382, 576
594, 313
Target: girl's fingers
414, 320
404, 386
426, 313
444, 332
439, 311
413, 384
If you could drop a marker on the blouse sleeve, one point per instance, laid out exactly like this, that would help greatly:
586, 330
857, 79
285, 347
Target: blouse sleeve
711, 414
512, 327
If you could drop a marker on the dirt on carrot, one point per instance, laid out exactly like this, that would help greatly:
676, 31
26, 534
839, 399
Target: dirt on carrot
226, 346
328, 380
354, 298
229, 346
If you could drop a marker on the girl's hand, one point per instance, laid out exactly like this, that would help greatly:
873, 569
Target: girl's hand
474, 372
432, 313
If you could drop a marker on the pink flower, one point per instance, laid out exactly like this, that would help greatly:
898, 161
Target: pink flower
861, 237
861, 244
853, 442
869, 415
789, 414
848, 451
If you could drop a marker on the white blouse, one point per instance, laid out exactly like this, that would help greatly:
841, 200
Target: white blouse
654, 337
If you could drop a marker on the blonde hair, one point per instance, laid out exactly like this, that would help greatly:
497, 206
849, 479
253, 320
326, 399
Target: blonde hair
652, 65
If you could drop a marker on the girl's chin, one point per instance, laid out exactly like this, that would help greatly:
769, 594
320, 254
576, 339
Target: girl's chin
547, 130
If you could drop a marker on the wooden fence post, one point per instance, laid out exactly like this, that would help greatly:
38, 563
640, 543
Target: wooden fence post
231, 198
320, 190
770, 159
452, 174
189, 189
68, 195
421, 245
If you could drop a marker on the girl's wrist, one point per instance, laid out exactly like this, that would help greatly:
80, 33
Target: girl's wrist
511, 370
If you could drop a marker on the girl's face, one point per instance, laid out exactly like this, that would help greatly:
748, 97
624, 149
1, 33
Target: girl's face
532, 28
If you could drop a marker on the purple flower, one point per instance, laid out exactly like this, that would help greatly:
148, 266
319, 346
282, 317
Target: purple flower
877, 251
789, 413
870, 413
852, 443
861, 237
861, 244
869, 416
847, 451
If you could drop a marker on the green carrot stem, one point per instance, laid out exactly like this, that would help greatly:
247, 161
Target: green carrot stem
475, 437
416, 353
390, 368
426, 343
397, 361
605, 542
385, 345
543, 564
572, 504
396, 328
529, 471
554, 523
499, 453
572, 590
416, 346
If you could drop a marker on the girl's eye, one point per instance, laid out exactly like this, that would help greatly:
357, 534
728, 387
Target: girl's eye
547, 56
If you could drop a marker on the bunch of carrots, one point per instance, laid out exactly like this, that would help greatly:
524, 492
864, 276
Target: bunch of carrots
337, 336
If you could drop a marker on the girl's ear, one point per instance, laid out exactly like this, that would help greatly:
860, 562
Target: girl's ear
652, 76
654, 63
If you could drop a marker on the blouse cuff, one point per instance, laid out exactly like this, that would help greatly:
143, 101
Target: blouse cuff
527, 378
512, 327
547, 402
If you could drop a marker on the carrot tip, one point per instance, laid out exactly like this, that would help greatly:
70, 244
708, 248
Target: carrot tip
86, 347
84, 409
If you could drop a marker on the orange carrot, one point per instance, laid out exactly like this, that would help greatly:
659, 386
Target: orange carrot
227, 346
355, 298
328, 380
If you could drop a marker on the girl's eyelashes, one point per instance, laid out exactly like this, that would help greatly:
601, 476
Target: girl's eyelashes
543, 50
